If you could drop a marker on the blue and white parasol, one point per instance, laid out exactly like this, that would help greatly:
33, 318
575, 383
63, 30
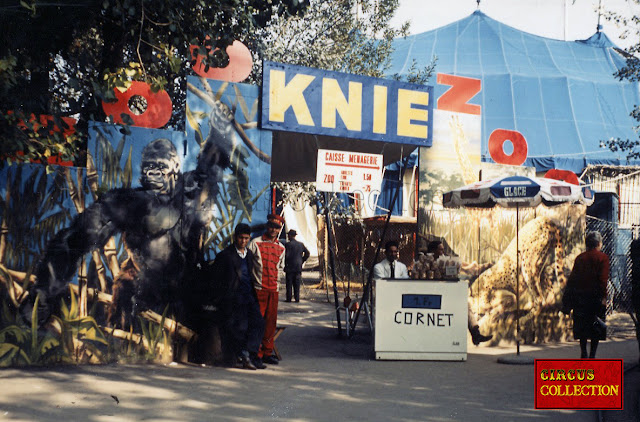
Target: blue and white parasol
517, 192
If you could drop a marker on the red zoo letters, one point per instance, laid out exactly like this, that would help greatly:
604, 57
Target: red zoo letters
456, 99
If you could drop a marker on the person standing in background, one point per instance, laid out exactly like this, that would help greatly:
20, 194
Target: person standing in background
587, 293
635, 286
296, 254
268, 272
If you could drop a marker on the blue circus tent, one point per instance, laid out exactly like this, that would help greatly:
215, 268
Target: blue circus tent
561, 95
393, 180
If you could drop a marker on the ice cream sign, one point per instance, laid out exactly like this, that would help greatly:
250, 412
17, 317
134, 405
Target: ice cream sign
515, 187
515, 191
421, 319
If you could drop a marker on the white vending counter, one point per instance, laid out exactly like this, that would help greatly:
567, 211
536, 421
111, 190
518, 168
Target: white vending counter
420, 320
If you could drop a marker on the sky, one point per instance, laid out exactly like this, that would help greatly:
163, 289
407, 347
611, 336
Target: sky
558, 19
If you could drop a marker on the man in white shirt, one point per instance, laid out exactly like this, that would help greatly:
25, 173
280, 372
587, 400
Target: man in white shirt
390, 267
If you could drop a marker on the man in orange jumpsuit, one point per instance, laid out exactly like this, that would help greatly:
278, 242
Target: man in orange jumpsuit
268, 271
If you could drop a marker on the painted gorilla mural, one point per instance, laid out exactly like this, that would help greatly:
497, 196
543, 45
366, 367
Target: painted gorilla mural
161, 223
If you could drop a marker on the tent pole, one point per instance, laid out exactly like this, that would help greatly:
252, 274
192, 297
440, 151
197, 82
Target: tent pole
478, 268
517, 279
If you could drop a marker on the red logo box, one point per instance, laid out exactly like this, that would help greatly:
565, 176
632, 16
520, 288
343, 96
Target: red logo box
578, 384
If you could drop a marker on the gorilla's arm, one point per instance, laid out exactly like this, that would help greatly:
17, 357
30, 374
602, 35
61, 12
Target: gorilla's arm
215, 154
89, 230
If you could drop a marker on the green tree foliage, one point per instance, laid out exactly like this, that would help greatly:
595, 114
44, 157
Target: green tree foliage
351, 36
630, 72
65, 57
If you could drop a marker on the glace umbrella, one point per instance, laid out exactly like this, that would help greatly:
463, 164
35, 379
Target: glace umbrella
517, 192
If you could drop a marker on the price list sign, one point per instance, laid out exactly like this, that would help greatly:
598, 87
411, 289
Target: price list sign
344, 171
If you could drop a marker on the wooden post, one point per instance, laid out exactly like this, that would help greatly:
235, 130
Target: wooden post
333, 266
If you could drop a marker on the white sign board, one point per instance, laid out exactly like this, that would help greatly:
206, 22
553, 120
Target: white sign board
344, 171
421, 320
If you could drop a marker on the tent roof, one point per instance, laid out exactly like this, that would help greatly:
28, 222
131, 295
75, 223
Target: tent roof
561, 95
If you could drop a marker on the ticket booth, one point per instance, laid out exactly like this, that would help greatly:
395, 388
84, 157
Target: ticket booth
420, 320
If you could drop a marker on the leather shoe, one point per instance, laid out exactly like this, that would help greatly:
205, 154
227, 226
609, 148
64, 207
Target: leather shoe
245, 363
271, 360
257, 362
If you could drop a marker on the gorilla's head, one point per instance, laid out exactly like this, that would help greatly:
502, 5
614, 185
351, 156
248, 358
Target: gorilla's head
160, 167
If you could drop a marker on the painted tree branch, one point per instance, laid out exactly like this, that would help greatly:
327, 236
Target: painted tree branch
173, 327
211, 102
133, 337
16, 292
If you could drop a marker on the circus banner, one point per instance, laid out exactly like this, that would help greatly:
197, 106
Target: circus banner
301, 99
114, 259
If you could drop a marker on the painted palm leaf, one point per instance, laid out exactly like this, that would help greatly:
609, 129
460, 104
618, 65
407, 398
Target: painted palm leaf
34, 213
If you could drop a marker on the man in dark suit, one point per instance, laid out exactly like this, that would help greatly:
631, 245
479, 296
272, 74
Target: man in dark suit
243, 325
295, 255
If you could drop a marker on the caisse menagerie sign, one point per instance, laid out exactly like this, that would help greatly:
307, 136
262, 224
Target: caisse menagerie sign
344, 171
301, 99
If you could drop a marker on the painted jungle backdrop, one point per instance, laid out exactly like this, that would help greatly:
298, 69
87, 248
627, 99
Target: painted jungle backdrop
485, 239
106, 262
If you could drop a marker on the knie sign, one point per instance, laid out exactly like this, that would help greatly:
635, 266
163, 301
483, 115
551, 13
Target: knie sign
301, 99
